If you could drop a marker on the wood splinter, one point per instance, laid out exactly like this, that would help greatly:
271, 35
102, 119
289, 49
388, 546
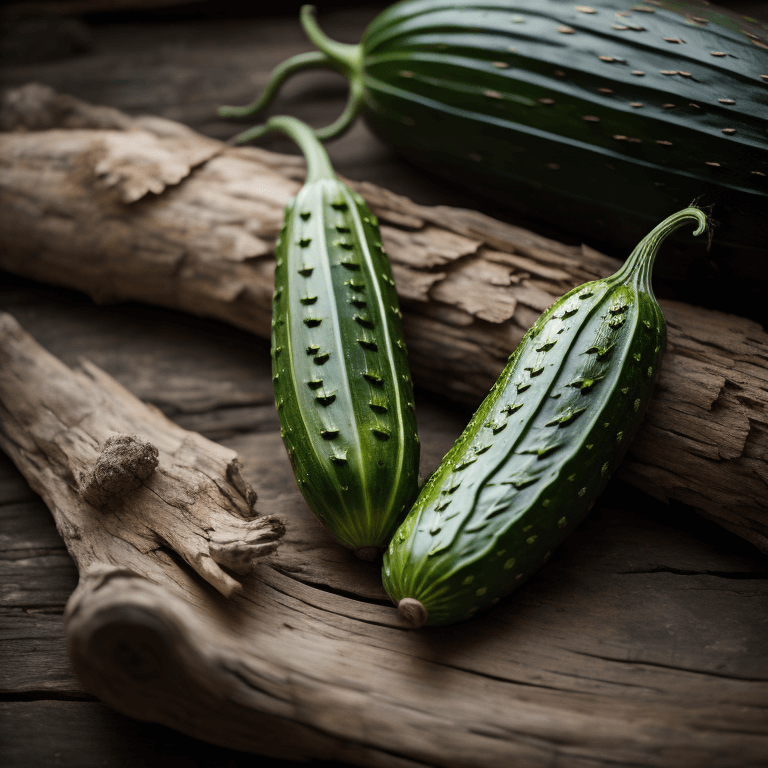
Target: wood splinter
241, 554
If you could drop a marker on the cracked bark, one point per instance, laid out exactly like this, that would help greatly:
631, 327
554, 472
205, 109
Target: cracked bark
145, 209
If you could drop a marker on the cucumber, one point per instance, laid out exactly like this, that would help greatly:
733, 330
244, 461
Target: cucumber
540, 448
603, 117
339, 362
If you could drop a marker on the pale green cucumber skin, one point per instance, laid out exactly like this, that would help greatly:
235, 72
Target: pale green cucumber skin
351, 439
523, 473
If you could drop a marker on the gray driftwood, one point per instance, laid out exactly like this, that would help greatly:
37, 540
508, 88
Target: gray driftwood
146, 209
125, 484
633, 647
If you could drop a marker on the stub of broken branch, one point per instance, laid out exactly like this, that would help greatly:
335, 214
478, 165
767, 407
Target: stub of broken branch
124, 463
125, 483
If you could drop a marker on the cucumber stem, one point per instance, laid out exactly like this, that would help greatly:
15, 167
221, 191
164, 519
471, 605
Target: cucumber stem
343, 57
309, 60
318, 163
346, 55
639, 266
347, 59
346, 118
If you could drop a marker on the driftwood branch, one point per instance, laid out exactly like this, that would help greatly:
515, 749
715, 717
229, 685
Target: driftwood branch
144, 209
124, 483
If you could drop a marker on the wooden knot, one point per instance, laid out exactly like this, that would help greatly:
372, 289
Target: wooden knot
124, 463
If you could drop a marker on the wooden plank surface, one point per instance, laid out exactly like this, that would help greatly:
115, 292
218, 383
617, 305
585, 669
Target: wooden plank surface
646, 602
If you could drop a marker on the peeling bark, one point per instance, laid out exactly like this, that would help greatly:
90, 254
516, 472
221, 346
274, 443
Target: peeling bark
470, 285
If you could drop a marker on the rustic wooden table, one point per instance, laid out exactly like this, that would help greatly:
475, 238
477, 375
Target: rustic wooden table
674, 606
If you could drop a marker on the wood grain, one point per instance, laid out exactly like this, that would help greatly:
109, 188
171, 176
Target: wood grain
145, 209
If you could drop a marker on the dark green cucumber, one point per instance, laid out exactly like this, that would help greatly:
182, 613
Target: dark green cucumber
340, 372
540, 448
602, 117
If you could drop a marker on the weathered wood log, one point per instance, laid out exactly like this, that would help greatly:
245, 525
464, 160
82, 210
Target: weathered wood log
123, 480
145, 209
630, 649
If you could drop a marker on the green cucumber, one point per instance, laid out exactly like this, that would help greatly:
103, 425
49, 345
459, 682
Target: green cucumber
539, 450
602, 117
340, 372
